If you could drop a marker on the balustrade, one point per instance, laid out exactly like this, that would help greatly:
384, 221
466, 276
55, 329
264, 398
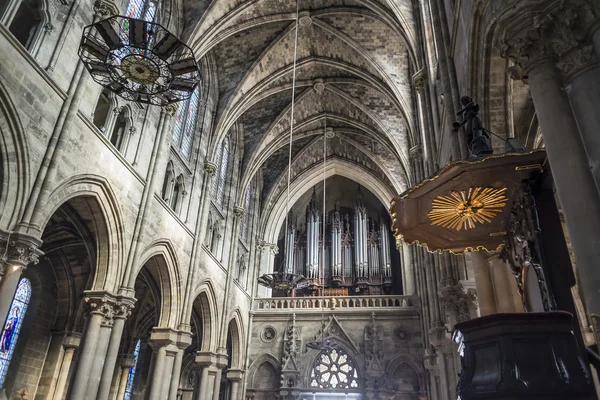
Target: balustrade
332, 302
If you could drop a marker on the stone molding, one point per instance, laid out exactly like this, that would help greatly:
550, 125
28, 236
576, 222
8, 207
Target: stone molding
235, 375
210, 167
105, 8
538, 31
205, 358
455, 299
238, 211
419, 80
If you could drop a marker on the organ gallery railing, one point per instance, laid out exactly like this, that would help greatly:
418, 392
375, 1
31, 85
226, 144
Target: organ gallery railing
332, 302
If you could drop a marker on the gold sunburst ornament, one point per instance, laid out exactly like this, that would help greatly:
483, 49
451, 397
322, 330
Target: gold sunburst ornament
463, 210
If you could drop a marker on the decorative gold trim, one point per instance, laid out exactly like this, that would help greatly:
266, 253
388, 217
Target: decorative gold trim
468, 249
529, 167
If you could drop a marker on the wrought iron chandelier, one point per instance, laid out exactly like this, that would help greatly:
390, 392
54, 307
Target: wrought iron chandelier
284, 279
139, 60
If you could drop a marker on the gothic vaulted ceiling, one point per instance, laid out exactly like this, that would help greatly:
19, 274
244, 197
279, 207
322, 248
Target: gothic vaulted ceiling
355, 59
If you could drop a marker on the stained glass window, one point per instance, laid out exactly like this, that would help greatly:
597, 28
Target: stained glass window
247, 212
185, 124
141, 9
10, 332
334, 369
131, 376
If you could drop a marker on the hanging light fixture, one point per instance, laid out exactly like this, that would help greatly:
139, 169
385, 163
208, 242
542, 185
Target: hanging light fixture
284, 278
322, 344
138, 60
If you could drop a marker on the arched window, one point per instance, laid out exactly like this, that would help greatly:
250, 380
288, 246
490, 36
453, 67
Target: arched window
117, 135
334, 369
142, 9
185, 124
102, 110
221, 176
249, 195
131, 376
178, 193
27, 22
10, 333
168, 183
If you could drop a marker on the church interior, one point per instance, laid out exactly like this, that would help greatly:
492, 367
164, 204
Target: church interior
299, 199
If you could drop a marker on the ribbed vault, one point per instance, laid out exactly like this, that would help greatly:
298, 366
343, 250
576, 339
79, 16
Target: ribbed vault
355, 60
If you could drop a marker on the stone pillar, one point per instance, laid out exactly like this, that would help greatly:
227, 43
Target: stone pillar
221, 362
408, 268
100, 313
70, 345
505, 286
235, 376
204, 361
539, 35
483, 282
162, 341
21, 250
127, 362
121, 311
183, 342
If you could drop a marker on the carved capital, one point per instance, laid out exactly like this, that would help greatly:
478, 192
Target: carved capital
210, 167
170, 109
455, 299
274, 249
539, 31
101, 303
419, 80
18, 250
261, 245
122, 308
238, 211
105, 8
132, 130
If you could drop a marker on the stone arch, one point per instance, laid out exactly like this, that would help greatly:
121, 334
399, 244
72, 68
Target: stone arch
14, 162
235, 330
272, 220
205, 304
167, 275
410, 362
258, 362
93, 198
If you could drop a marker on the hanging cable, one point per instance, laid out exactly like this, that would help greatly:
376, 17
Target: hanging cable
289, 174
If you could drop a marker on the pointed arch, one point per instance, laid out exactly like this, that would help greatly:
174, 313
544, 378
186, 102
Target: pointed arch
206, 303
14, 162
94, 200
404, 359
168, 276
236, 330
260, 360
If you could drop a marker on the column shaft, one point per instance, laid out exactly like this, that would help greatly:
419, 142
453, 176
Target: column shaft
175, 375
160, 358
86, 356
202, 392
217, 386
575, 184
122, 383
483, 282
65, 366
111, 359
167, 374
98, 362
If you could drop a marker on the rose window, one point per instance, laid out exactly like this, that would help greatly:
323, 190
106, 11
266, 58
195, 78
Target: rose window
334, 369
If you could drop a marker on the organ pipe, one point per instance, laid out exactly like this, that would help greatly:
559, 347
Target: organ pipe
384, 239
360, 236
373, 248
312, 237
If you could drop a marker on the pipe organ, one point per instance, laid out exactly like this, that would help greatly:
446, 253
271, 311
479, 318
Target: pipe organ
354, 254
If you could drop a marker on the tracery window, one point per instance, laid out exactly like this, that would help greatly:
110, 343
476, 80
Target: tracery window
131, 376
10, 332
334, 369
185, 124
249, 195
220, 178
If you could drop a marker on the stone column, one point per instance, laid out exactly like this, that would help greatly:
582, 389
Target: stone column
70, 344
534, 34
408, 268
235, 376
483, 282
100, 312
505, 286
221, 362
163, 342
204, 360
127, 362
21, 250
121, 310
183, 342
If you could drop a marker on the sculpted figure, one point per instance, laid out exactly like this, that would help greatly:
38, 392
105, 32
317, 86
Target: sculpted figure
477, 138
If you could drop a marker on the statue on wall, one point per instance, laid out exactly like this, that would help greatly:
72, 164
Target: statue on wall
477, 137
